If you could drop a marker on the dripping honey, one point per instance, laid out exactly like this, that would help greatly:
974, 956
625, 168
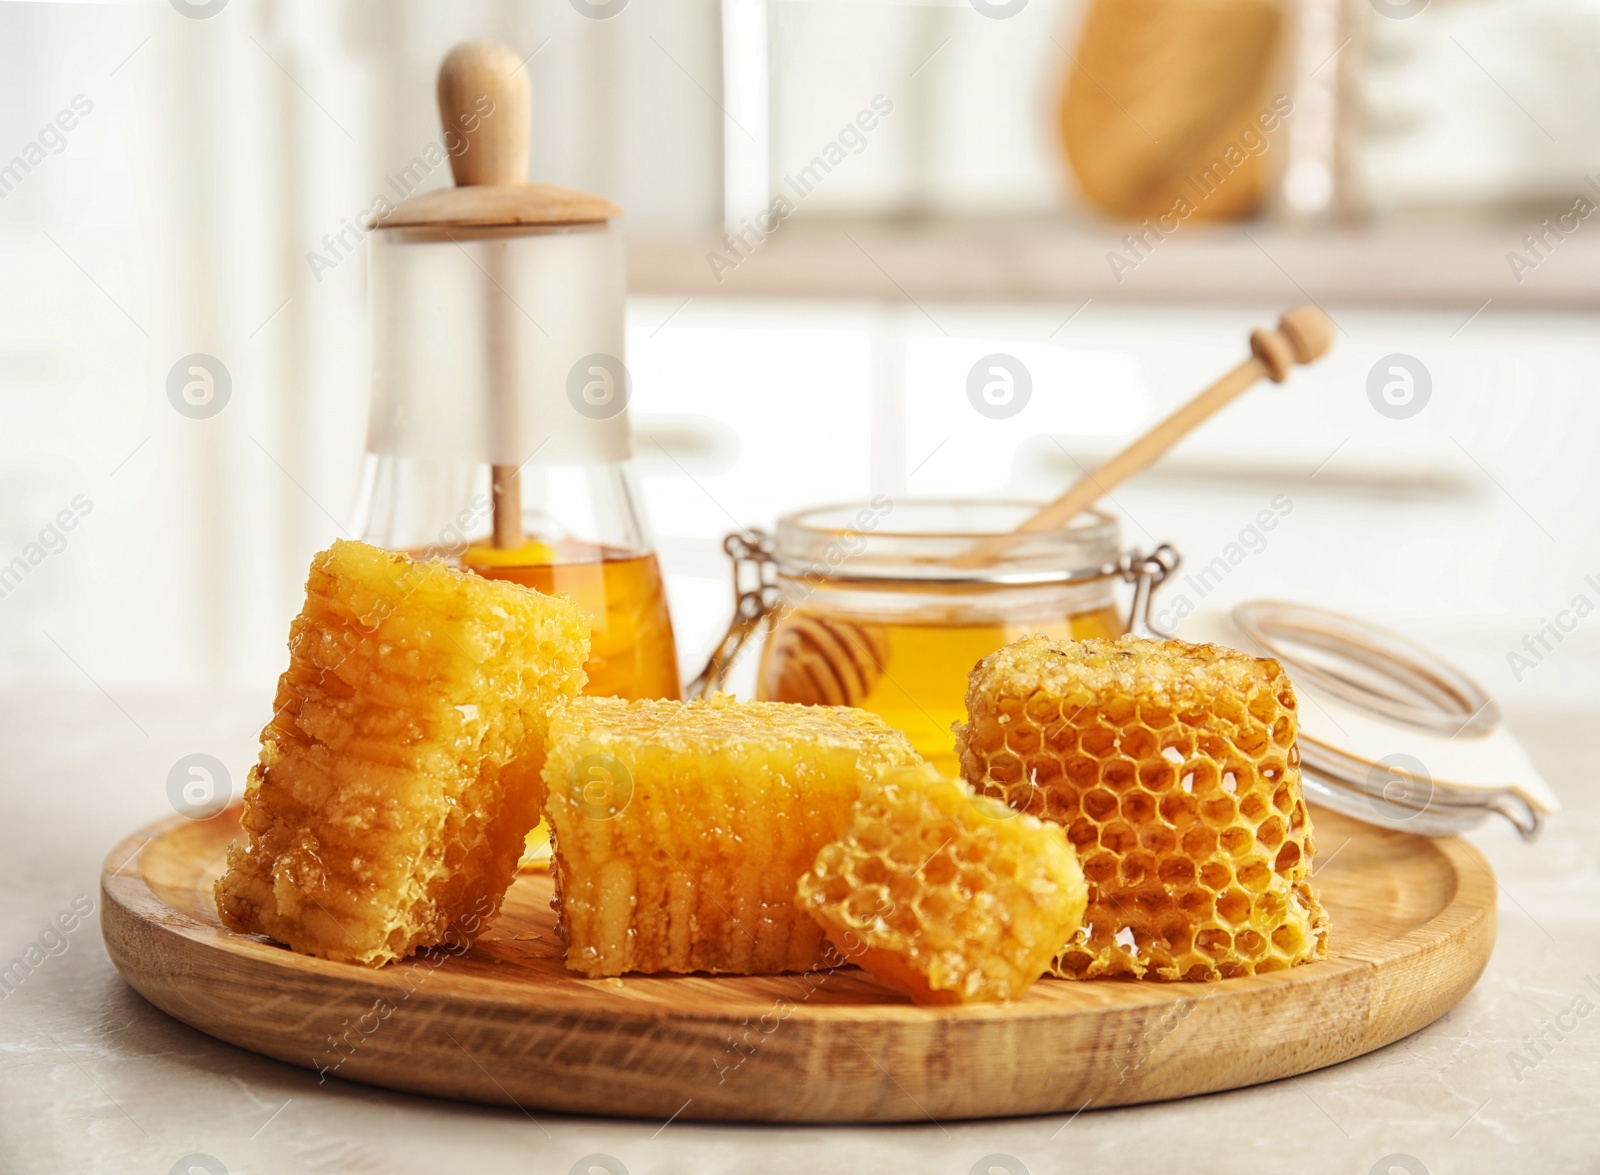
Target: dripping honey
910, 670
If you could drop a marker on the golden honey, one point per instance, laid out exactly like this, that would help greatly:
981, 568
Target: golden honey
878, 607
910, 672
632, 653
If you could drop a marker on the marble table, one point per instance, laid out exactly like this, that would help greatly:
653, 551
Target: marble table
92, 1078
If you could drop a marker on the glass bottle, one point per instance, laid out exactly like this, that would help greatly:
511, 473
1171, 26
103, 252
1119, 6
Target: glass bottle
498, 436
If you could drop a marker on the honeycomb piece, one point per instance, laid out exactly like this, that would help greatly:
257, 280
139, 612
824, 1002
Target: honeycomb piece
681, 828
400, 770
950, 897
1174, 770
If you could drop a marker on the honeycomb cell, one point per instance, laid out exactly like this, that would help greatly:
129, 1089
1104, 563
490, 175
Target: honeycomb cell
1097, 740
1215, 874
1176, 872
1237, 841
1177, 934
1120, 711
1157, 776
974, 900
1219, 811
1136, 867
1044, 770
1119, 837
1155, 715
1288, 939
1140, 743
1179, 810
1251, 740
1007, 767
1099, 804
1255, 875
1234, 906
1101, 867
1179, 780
1042, 710
1060, 738
1158, 838
1024, 739
1082, 772
1138, 807
1119, 774
1199, 842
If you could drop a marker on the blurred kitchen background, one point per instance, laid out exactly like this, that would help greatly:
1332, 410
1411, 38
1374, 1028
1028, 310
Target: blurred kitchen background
221, 156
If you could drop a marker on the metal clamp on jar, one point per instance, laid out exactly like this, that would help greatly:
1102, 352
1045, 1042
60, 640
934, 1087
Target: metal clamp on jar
866, 603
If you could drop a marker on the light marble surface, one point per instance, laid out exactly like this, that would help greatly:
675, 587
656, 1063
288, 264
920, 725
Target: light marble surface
94, 1079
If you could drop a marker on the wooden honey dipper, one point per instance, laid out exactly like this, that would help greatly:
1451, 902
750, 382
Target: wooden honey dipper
825, 661
832, 662
1303, 335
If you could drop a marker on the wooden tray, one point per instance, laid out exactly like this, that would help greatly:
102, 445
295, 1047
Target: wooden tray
1413, 926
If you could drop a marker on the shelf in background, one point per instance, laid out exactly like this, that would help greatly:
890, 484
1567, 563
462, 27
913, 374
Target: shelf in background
1041, 259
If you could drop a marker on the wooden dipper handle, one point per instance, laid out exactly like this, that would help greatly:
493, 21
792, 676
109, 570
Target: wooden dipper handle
485, 97
1302, 335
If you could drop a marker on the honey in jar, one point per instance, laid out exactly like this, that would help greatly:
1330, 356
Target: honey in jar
875, 614
913, 674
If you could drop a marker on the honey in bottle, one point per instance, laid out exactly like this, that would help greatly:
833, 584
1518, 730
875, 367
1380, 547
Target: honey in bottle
631, 652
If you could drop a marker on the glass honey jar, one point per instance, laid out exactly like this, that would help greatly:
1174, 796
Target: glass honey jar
866, 604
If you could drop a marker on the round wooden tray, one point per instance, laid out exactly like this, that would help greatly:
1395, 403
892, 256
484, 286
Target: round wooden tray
1413, 923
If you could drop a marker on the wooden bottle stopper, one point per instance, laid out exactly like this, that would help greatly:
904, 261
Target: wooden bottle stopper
485, 97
